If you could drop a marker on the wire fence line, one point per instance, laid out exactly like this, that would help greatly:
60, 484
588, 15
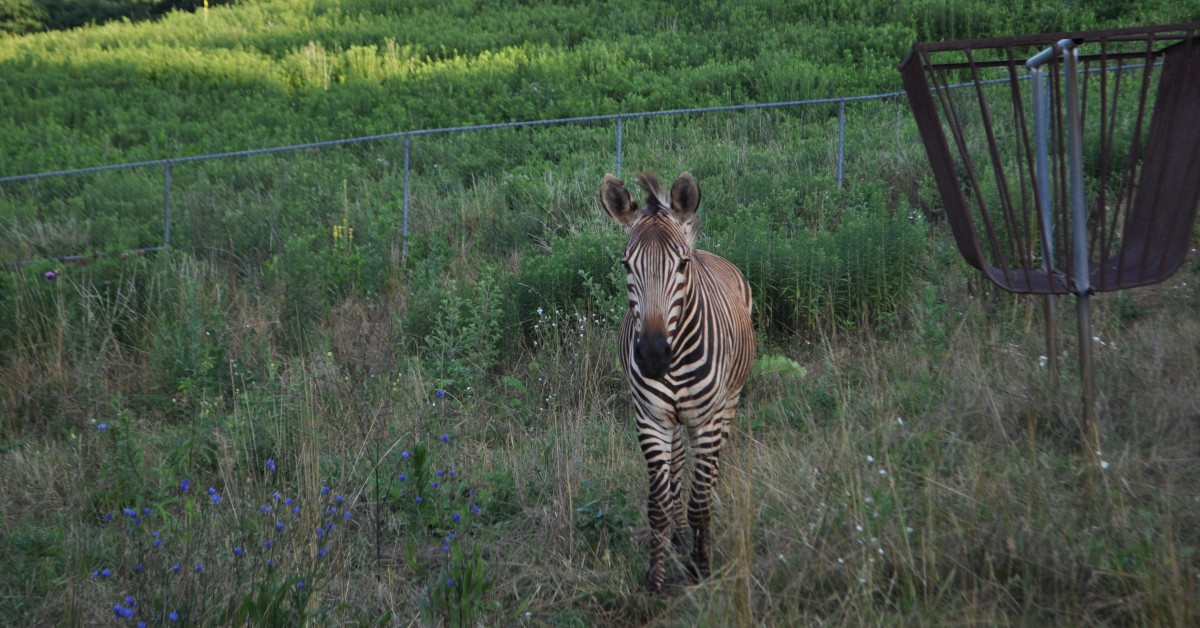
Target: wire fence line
618, 119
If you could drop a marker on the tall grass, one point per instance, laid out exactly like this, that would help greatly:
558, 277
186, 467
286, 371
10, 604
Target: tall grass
898, 458
920, 473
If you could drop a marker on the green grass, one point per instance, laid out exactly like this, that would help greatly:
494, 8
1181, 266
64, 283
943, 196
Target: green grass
898, 459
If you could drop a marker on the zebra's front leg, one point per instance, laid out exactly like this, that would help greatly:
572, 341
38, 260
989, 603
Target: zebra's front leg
678, 516
655, 439
707, 441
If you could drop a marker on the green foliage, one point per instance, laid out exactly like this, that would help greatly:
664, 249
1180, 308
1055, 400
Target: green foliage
457, 329
861, 273
434, 497
272, 602
36, 558
176, 86
8, 310
187, 357
778, 365
312, 272
457, 594
83, 314
63, 14
605, 519
581, 273
123, 461
176, 552
236, 347
21, 16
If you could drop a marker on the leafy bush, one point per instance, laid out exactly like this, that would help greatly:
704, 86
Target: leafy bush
580, 273
861, 273
21, 16
457, 327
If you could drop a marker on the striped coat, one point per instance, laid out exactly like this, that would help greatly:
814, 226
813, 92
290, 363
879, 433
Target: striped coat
686, 345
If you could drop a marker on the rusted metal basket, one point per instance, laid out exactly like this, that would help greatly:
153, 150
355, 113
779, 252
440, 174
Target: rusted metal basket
1139, 105
1068, 163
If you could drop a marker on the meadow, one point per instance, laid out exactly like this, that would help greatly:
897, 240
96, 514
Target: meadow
287, 417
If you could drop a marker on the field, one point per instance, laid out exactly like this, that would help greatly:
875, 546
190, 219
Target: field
294, 416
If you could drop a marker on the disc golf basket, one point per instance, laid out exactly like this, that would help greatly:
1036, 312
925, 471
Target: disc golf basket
1068, 163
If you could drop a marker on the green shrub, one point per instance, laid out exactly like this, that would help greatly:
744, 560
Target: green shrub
580, 273
457, 327
187, 348
860, 274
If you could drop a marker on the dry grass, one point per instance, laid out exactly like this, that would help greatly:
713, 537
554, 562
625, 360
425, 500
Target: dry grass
918, 476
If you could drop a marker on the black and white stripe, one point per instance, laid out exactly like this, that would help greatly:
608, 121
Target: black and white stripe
687, 344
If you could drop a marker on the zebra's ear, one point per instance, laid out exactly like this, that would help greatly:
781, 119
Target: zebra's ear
616, 201
685, 197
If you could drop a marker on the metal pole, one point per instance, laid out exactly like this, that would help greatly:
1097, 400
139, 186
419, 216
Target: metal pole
841, 153
620, 128
1083, 289
166, 206
404, 224
1041, 118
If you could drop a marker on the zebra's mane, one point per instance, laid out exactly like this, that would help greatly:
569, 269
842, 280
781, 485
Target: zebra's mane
655, 195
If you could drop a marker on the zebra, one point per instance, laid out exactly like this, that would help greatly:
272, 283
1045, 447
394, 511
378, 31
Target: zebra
686, 346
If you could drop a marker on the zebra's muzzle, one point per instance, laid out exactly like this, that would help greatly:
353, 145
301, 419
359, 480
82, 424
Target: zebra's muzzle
652, 354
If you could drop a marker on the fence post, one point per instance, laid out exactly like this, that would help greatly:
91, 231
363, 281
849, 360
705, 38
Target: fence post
166, 206
1079, 247
404, 224
620, 127
1041, 123
841, 153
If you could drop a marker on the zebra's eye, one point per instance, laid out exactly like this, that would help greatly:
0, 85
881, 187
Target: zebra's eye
683, 262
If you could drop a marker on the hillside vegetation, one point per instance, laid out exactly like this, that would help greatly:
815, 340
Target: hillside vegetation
296, 414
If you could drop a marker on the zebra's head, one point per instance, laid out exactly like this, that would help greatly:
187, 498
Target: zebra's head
662, 237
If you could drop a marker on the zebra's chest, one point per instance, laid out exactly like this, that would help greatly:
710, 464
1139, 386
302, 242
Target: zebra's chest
687, 394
